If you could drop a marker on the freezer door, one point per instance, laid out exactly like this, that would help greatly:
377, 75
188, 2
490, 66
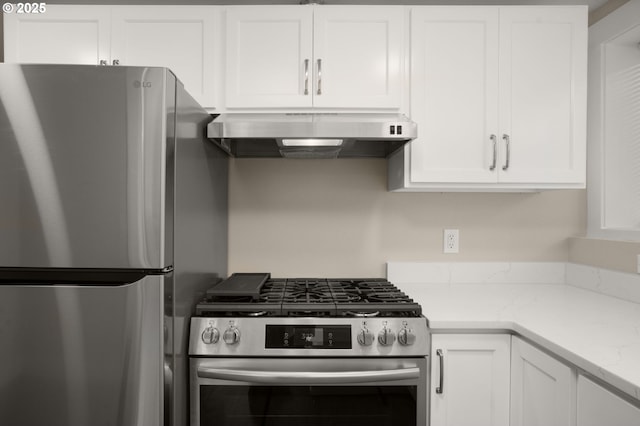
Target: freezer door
82, 355
83, 159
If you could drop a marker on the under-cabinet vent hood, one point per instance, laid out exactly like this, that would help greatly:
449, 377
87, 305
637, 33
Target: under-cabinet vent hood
314, 135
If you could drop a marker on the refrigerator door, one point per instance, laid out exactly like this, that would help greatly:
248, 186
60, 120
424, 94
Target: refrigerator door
82, 355
84, 152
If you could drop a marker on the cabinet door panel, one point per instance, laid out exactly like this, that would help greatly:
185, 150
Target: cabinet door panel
542, 88
265, 60
516, 72
64, 34
542, 388
360, 52
454, 78
597, 406
178, 37
476, 380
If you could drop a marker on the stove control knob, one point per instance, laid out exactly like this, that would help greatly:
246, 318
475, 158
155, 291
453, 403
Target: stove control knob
365, 337
231, 335
406, 337
210, 335
386, 337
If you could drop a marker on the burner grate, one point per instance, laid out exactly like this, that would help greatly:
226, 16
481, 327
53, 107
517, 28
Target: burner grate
312, 297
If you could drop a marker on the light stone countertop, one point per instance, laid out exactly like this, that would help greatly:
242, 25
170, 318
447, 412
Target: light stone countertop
598, 333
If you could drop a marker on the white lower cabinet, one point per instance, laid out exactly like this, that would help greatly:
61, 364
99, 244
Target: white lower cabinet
598, 406
469, 380
543, 389
500, 380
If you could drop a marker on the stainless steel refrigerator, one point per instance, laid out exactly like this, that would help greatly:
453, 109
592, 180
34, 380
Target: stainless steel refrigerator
113, 222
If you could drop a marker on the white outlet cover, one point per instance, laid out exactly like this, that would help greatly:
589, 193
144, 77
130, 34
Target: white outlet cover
451, 241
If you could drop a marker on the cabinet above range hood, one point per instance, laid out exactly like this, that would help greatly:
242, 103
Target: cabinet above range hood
312, 135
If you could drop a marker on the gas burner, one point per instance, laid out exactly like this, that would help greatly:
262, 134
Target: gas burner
362, 314
253, 314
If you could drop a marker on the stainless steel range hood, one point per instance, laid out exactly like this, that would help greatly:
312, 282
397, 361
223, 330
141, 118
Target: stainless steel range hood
314, 135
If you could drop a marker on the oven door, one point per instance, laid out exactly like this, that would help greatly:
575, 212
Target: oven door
308, 391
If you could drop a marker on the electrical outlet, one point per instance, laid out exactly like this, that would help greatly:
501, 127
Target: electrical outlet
451, 241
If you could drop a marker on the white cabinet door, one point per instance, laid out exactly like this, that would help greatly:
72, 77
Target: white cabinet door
454, 96
543, 60
542, 388
269, 58
475, 380
178, 37
309, 57
499, 95
597, 407
357, 56
63, 34
181, 38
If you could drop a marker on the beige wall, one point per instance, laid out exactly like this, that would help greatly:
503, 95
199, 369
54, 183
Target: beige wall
335, 218
616, 255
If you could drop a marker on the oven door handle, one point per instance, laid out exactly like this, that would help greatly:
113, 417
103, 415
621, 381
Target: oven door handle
307, 377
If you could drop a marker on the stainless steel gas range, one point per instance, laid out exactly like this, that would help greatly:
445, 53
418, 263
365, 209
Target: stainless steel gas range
280, 352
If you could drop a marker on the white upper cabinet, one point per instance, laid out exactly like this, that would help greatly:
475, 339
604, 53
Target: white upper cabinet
181, 38
314, 57
63, 34
269, 56
454, 96
543, 87
178, 37
499, 95
357, 53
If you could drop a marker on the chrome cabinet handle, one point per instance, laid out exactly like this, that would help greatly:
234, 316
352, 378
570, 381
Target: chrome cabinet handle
307, 377
115, 62
507, 142
306, 76
495, 152
319, 92
103, 62
440, 388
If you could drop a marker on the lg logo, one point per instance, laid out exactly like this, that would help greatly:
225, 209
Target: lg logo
144, 84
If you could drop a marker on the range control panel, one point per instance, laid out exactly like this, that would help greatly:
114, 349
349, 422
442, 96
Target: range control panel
276, 336
309, 336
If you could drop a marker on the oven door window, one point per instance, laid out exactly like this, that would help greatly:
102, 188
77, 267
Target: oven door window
258, 405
